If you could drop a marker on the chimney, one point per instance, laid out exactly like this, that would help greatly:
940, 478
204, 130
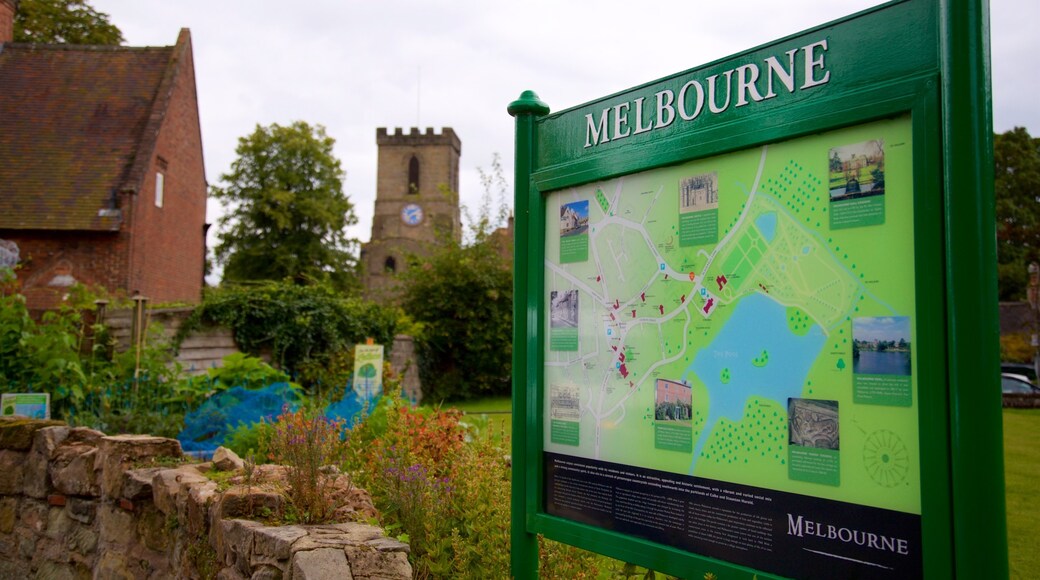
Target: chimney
7, 10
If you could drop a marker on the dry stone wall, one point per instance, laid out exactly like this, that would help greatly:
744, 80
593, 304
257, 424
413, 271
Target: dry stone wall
75, 503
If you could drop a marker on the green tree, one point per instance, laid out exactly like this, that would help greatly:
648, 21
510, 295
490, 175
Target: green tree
287, 210
1016, 157
63, 22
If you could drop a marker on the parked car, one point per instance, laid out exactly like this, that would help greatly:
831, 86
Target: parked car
1026, 370
1015, 384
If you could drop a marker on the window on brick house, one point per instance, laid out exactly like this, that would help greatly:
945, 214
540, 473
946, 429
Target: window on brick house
159, 183
390, 266
413, 175
160, 180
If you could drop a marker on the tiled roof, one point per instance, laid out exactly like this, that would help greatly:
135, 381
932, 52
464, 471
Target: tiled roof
74, 121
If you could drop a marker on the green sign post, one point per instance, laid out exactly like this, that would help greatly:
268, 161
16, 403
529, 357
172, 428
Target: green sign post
755, 326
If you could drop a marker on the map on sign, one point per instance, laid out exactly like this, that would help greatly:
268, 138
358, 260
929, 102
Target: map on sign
747, 318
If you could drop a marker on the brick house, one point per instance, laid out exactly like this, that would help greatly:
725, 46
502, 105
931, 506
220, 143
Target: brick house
101, 171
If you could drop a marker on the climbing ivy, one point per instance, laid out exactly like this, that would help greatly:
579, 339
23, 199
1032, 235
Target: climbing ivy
297, 326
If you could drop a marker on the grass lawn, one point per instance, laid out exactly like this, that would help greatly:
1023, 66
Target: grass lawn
1022, 481
496, 411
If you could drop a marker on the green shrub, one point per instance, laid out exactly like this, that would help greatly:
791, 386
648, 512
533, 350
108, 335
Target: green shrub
249, 439
241, 370
463, 296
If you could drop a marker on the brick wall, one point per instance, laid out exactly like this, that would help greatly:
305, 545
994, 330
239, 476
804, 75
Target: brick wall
6, 21
48, 261
167, 256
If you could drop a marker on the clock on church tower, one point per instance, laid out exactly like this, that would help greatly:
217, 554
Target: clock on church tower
412, 214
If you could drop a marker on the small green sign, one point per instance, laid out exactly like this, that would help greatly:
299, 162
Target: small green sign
32, 405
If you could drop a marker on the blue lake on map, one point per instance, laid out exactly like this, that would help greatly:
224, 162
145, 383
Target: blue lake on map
881, 363
766, 223
758, 324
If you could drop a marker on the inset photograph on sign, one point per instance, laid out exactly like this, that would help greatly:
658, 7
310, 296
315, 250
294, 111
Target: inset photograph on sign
813, 441
564, 414
563, 320
857, 184
673, 416
881, 360
574, 232
699, 209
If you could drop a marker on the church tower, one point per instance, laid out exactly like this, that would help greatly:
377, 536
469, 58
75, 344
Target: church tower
417, 204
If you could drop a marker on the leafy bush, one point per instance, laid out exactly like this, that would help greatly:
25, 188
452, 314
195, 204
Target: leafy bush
241, 370
249, 439
302, 327
464, 298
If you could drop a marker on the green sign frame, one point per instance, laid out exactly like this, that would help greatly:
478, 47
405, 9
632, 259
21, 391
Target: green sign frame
921, 63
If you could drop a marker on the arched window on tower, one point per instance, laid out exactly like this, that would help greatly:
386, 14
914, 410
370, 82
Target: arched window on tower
390, 266
413, 175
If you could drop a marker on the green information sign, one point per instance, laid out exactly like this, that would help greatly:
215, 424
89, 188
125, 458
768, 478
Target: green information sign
739, 324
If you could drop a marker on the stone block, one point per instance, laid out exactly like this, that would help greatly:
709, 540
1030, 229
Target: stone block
117, 526
37, 474
368, 563
225, 459
81, 510
276, 542
12, 471
58, 523
113, 565
15, 569
8, 514
267, 572
26, 543
231, 574
56, 571
357, 532
170, 487
72, 470
117, 453
8, 545
82, 540
34, 515
138, 482
152, 529
200, 497
85, 435
242, 502
17, 432
238, 544
319, 564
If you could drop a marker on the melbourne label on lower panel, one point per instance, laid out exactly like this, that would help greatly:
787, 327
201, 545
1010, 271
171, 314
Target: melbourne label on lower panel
776, 532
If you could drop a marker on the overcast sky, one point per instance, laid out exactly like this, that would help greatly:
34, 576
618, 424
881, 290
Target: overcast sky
356, 65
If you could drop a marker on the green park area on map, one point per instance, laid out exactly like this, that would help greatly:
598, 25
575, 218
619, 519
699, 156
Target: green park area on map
725, 340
